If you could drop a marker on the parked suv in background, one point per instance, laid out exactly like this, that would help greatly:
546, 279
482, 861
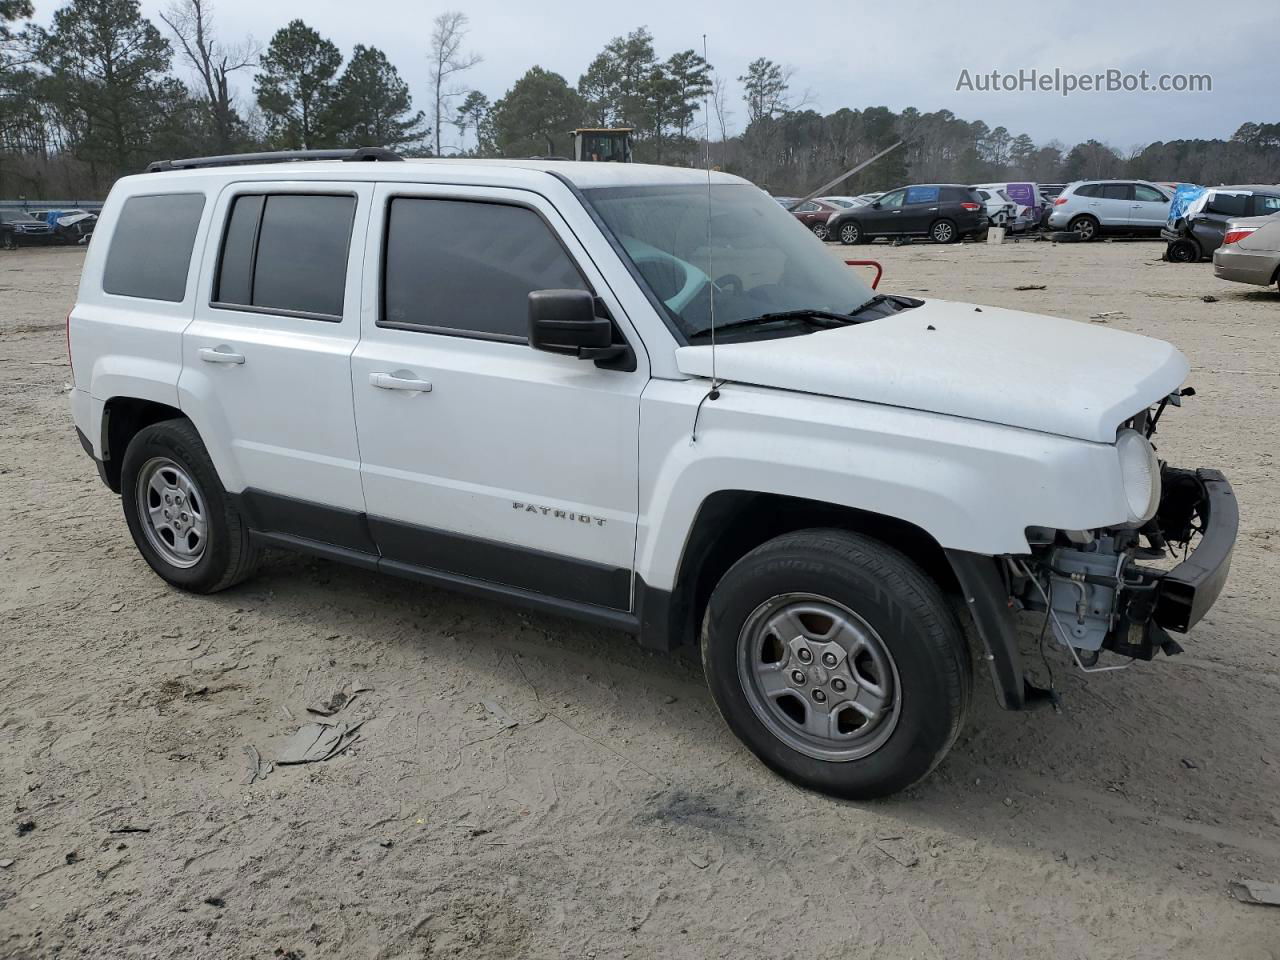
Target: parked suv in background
18, 228
502, 377
944, 212
1092, 208
1001, 211
1195, 236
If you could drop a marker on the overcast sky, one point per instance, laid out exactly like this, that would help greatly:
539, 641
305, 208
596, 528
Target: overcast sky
854, 53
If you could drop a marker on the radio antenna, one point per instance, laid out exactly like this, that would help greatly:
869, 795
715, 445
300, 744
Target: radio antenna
714, 392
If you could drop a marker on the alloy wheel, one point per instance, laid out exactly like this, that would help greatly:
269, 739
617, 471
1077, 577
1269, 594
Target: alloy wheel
172, 510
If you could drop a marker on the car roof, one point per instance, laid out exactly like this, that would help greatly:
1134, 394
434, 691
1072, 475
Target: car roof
510, 172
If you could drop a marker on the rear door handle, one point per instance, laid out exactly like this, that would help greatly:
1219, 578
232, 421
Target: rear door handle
392, 381
220, 354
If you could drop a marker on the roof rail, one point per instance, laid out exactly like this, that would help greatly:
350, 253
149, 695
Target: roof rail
278, 156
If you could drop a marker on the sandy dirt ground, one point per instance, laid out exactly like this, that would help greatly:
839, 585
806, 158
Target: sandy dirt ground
617, 817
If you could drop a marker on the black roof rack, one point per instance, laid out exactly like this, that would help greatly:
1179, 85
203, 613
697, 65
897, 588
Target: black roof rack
357, 154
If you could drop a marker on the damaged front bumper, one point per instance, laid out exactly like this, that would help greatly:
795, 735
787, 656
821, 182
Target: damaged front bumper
1099, 595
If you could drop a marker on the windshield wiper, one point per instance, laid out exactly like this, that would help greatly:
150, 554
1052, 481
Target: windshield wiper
821, 318
902, 303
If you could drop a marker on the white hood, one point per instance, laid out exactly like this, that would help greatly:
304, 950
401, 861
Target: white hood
982, 363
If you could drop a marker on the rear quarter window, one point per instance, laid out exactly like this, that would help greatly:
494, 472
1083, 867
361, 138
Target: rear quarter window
150, 254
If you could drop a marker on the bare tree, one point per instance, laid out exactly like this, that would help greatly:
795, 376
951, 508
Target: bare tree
447, 61
719, 103
191, 22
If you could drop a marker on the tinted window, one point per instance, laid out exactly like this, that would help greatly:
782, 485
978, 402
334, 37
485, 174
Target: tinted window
151, 246
1089, 190
470, 266
1264, 205
1228, 204
287, 252
1148, 194
1117, 191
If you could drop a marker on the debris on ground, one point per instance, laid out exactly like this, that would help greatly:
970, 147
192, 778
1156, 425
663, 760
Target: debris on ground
1190, 764
698, 860
215, 902
25, 827
1107, 316
258, 768
338, 700
72, 857
1209, 298
504, 719
5, 864
318, 741
1256, 891
897, 850
1031, 286
130, 829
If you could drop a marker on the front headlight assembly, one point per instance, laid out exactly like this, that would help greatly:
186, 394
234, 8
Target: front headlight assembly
1140, 473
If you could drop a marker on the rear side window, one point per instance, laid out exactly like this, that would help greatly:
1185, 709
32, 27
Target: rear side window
922, 195
286, 253
1228, 204
1117, 191
151, 245
468, 267
1264, 205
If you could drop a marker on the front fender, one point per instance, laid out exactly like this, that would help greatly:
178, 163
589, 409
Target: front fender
972, 486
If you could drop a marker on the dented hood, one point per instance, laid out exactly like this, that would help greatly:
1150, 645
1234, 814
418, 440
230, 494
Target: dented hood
982, 363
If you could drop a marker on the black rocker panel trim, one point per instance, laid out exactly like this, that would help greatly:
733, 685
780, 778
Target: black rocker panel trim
547, 573
408, 550
273, 513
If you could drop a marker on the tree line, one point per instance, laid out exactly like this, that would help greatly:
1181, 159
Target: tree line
102, 90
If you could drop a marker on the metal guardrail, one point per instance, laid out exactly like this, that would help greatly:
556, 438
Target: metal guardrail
92, 206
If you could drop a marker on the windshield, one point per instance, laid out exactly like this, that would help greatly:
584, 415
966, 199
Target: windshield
762, 260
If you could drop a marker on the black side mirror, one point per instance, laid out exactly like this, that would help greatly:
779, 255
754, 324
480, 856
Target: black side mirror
565, 321
875, 204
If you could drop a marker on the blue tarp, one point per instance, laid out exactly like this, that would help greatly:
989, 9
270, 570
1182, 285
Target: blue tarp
1183, 197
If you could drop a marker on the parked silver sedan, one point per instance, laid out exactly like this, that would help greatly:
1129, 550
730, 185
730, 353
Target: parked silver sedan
1250, 251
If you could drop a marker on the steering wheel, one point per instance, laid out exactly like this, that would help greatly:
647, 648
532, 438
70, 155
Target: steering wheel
730, 280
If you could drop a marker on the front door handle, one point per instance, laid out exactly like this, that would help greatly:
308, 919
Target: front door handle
220, 354
393, 381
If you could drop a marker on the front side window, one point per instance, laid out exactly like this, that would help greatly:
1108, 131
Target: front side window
1264, 205
150, 254
892, 200
468, 267
286, 253
1148, 194
731, 247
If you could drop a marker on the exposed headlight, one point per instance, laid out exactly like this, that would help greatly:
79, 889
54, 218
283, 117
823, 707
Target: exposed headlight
1140, 472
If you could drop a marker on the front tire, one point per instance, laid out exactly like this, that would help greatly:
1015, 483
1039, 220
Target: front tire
182, 521
850, 233
838, 662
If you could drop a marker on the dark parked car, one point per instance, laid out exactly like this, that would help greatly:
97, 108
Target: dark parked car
1194, 237
944, 212
18, 229
814, 214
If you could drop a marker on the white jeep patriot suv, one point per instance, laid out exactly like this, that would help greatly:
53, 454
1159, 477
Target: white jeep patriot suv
502, 377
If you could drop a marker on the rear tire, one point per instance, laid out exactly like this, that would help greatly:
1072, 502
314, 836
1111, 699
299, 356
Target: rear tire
1084, 227
944, 231
838, 662
199, 541
820, 231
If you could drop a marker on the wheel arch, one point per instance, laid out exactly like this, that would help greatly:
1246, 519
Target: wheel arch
122, 418
731, 523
